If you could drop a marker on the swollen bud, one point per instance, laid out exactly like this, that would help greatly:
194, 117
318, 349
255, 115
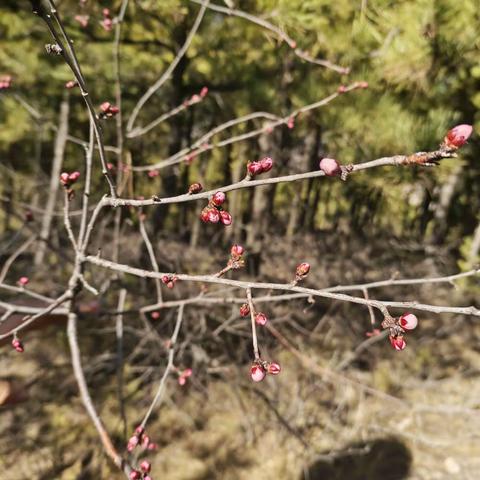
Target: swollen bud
245, 310
257, 373
273, 368
195, 188
458, 136
225, 218
398, 342
261, 319
218, 198
330, 167
302, 269
237, 251
408, 321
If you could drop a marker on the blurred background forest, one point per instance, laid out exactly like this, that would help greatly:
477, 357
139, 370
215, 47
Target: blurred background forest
369, 414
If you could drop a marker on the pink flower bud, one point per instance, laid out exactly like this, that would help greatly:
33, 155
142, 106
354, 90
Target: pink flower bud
225, 218
330, 167
236, 251
145, 441
245, 310
22, 281
114, 110
155, 315
273, 368
17, 345
398, 342
293, 44
135, 475
145, 466
302, 269
182, 381
266, 164
110, 166
261, 319
71, 84
195, 98
204, 92
187, 372
73, 177
408, 321
291, 123
139, 431
107, 24
152, 446
458, 136
64, 180
105, 107
153, 173
106, 12
213, 215
147, 477
218, 198
257, 373
82, 20
342, 89
166, 279
132, 443
170, 284
195, 188
254, 168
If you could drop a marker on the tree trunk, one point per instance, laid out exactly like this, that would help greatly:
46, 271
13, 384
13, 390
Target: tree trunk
58, 154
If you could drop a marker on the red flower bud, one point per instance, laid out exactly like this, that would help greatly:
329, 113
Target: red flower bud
273, 368
195, 188
245, 310
408, 321
302, 269
135, 475
261, 319
17, 345
458, 136
236, 251
204, 215
165, 279
330, 167
145, 466
254, 168
218, 198
213, 215
266, 164
398, 343
257, 373
22, 281
225, 218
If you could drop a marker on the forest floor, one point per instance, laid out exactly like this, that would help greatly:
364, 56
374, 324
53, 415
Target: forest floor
378, 414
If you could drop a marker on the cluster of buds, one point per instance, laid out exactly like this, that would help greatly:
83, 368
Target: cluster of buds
182, 376
71, 84
140, 438
301, 271
142, 473
107, 22
17, 345
260, 318
457, 137
262, 166
195, 188
82, 20
236, 260
68, 179
169, 280
214, 212
196, 98
5, 82
261, 368
107, 110
398, 327
23, 281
